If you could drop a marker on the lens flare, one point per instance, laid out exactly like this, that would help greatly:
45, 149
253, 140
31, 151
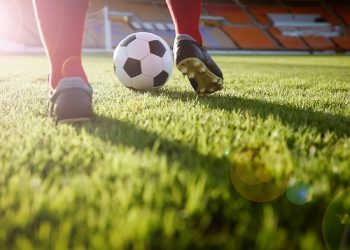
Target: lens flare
11, 25
261, 173
336, 222
298, 193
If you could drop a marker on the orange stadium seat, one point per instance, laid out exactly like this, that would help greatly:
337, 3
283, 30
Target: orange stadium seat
315, 10
319, 43
260, 12
344, 12
145, 11
250, 38
231, 12
343, 42
288, 42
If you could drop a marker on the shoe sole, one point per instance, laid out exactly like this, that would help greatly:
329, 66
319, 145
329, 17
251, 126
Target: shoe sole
206, 80
74, 120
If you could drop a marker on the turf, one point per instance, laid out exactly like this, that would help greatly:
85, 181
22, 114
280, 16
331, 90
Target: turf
152, 171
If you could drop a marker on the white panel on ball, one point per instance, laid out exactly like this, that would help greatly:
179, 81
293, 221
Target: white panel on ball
151, 65
143, 82
138, 49
141, 62
120, 56
146, 36
168, 62
123, 77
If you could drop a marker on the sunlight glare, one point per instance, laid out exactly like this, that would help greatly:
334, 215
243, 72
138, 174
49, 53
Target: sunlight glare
4, 17
11, 21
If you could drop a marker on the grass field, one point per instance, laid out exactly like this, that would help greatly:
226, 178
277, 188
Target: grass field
152, 171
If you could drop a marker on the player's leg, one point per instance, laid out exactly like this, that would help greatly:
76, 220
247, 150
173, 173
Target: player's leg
191, 58
61, 25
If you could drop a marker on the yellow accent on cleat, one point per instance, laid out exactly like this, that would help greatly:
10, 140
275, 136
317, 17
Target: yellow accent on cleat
196, 70
184, 70
196, 63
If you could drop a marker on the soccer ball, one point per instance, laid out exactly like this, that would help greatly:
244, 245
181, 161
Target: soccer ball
143, 61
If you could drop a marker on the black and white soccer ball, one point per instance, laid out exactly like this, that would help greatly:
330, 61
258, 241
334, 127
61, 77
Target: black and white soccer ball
143, 61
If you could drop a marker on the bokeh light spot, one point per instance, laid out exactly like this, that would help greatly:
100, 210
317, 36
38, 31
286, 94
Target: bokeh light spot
260, 172
298, 193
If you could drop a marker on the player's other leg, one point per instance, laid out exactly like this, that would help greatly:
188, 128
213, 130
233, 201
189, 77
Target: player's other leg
61, 25
191, 58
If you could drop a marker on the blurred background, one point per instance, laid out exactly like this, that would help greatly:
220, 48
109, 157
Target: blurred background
290, 26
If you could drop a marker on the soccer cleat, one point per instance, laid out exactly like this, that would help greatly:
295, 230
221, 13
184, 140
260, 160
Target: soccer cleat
71, 101
195, 62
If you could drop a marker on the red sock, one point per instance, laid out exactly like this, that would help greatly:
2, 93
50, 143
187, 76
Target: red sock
186, 15
61, 24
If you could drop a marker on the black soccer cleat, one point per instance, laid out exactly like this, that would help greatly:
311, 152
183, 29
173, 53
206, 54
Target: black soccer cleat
195, 62
71, 101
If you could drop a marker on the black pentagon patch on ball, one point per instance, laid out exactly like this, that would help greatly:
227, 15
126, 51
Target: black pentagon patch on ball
160, 79
132, 67
157, 48
128, 40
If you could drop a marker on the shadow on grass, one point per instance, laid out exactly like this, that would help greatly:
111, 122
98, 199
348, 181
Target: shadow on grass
288, 115
119, 132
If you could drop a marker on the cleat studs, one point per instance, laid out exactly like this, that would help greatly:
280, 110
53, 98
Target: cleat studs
215, 80
220, 82
202, 90
183, 70
191, 75
211, 89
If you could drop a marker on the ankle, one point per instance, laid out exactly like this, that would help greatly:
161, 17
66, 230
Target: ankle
196, 36
72, 67
54, 77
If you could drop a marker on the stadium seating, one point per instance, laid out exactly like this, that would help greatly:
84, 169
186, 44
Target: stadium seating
119, 31
144, 11
260, 13
343, 42
231, 12
94, 31
250, 38
314, 10
215, 38
225, 24
163, 8
288, 42
344, 13
319, 43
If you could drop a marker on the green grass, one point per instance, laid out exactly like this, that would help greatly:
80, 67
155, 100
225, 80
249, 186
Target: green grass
153, 170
